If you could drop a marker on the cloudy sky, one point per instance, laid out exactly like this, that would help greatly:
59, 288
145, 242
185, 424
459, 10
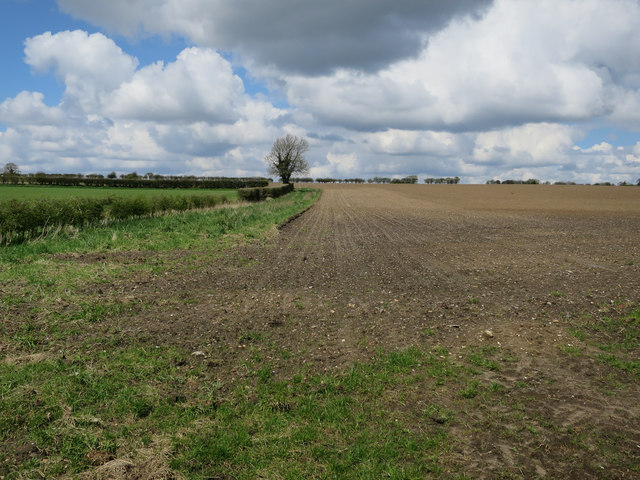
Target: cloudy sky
481, 89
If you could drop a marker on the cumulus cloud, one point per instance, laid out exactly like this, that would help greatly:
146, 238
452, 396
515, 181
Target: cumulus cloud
338, 165
28, 108
522, 62
88, 65
412, 142
295, 37
528, 146
199, 86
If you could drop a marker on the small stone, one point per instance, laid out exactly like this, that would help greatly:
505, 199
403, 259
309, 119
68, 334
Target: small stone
488, 333
198, 353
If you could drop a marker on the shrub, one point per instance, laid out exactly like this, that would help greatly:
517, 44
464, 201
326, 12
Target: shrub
261, 193
26, 219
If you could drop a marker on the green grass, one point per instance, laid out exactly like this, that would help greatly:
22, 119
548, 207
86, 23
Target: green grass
105, 402
33, 192
483, 357
617, 341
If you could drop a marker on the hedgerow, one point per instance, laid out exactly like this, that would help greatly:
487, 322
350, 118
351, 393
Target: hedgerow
262, 193
20, 220
174, 182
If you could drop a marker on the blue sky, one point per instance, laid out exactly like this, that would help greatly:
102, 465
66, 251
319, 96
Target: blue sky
21, 19
480, 89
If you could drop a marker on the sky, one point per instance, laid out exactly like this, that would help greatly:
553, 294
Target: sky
479, 89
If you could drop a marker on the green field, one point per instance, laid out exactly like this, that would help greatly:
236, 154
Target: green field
31, 192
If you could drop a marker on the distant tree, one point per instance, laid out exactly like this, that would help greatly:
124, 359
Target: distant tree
112, 175
638, 182
11, 169
409, 179
10, 173
287, 157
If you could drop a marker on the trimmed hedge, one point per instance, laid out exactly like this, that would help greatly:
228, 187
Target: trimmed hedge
75, 181
262, 193
20, 220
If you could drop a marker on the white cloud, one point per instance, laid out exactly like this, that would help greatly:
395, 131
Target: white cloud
28, 108
602, 147
403, 142
530, 145
89, 65
522, 62
199, 86
338, 165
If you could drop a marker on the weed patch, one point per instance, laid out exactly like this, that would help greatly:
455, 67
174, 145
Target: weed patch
617, 339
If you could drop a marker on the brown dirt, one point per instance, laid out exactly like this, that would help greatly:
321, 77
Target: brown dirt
372, 267
381, 263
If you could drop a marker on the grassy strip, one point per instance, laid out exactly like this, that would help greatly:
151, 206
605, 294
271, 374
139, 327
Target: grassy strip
77, 412
205, 230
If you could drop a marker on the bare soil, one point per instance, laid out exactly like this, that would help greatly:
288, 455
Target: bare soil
382, 267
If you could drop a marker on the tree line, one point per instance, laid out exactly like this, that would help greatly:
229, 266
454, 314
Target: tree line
535, 181
409, 179
11, 175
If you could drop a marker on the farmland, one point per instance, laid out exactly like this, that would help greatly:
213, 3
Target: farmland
401, 331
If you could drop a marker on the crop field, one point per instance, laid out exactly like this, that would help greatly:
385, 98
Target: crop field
36, 192
389, 331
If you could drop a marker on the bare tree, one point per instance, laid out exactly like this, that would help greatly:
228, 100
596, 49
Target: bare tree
11, 169
287, 157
